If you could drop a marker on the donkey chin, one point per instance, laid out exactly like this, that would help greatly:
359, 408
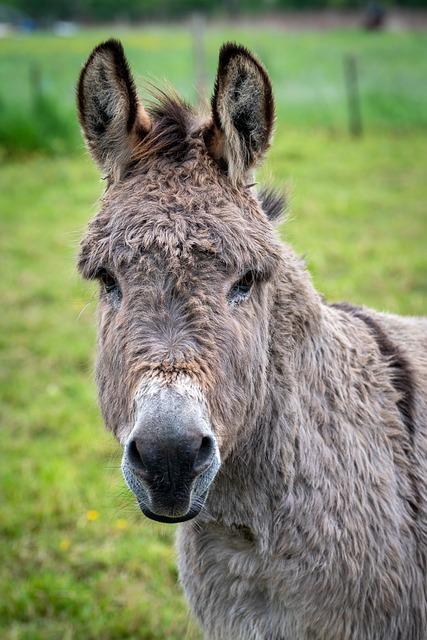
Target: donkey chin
171, 456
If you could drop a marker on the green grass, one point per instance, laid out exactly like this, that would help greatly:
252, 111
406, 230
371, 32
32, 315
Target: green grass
77, 559
306, 69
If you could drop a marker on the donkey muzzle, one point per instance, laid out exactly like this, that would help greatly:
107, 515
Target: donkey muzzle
171, 455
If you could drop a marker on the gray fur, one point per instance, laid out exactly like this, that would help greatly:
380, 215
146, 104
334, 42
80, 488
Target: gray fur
319, 542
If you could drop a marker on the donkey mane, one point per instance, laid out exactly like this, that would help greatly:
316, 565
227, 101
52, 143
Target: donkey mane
401, 373
273, 203
402, 379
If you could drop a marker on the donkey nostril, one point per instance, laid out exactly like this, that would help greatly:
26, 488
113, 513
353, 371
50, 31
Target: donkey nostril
134, 457
204, 455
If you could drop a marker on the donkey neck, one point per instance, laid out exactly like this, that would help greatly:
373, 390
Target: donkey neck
330, 421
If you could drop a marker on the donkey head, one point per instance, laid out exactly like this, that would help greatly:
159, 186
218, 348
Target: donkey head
185, 256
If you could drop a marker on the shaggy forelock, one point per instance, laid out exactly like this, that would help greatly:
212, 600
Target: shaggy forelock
172, 120
178, 232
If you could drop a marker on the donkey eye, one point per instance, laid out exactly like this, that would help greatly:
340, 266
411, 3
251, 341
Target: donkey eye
241, 289
110, 284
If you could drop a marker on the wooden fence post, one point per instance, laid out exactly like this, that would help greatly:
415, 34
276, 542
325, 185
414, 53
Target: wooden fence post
36, 84
199, 55
353, 96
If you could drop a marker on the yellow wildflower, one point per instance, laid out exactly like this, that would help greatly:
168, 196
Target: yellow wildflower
65, 544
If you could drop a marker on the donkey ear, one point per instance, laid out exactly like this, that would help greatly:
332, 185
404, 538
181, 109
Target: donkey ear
112, 118
242, 111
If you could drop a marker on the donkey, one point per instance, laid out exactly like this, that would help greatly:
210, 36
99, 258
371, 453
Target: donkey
288, 435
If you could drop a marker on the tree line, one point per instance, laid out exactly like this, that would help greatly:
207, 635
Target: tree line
107, 10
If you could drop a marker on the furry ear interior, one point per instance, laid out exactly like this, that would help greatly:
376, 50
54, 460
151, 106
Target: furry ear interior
242, 111
112, 118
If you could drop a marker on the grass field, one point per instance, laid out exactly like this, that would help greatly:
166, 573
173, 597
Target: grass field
77, 559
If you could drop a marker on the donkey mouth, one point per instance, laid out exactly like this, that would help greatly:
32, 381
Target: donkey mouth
192, 513
170, 507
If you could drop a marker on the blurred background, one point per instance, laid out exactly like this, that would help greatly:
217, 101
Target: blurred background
77, 559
